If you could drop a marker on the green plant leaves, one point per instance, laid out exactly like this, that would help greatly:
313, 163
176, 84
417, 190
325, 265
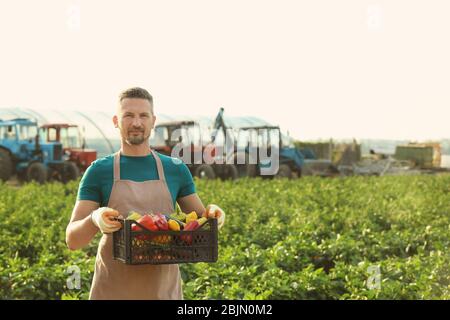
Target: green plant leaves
310, 238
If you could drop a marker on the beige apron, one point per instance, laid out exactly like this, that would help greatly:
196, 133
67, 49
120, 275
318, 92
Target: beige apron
114, 280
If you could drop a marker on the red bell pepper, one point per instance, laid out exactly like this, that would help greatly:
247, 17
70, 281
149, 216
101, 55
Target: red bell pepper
161, 222
191, 226
147, 222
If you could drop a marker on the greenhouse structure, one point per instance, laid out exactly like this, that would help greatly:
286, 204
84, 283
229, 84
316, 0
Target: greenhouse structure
99, 132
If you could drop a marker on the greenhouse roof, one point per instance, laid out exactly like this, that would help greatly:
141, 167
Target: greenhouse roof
99, 130
233, 122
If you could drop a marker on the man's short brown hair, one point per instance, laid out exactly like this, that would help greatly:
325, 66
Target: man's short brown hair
136, 92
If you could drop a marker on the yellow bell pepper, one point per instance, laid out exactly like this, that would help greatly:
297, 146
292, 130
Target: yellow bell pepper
191, 217
173, 225
201, 221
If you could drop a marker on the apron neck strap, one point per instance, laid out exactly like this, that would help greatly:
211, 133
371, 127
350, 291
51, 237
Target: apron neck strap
117, 166
159, 166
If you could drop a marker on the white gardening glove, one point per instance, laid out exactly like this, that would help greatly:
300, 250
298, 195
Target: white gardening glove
214, 211
103, 218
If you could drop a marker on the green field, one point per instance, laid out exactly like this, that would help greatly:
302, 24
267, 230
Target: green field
311, 238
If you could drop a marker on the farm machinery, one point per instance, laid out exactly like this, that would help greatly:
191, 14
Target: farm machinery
184, 140
235, 152
74, 145
252, 150
292, 161
24, 153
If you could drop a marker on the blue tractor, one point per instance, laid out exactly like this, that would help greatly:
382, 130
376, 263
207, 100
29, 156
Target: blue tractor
23, 152
290, 159
248, 142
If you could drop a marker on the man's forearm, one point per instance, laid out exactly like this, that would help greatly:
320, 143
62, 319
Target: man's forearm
80, 233
191, 203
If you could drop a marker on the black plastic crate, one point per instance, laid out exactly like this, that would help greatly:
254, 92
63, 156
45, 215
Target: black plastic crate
165, 247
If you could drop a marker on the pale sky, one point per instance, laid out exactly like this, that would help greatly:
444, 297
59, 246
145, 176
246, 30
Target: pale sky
318, 68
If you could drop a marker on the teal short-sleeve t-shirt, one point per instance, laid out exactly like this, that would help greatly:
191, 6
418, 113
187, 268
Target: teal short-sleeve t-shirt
97, 181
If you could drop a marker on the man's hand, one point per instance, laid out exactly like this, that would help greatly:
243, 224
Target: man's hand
214, 211
103, 218
193, 203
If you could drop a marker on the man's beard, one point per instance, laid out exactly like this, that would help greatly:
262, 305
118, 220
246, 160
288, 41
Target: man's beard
136, 140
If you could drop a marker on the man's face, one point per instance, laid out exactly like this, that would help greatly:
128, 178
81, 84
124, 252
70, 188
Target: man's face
135, 120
